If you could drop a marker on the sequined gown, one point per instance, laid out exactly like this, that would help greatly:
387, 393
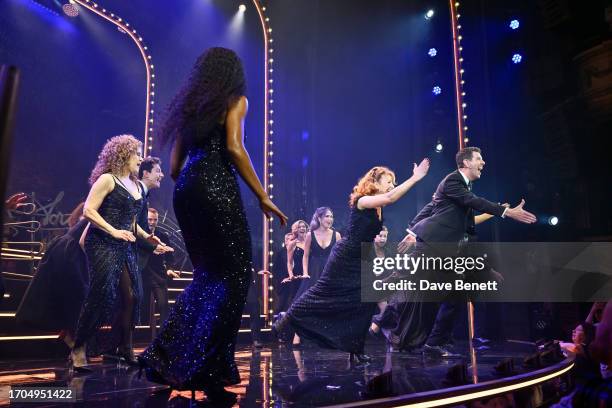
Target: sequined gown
195, 347
331, 313
106, 258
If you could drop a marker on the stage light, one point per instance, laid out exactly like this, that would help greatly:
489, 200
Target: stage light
432, 52
439, 147
517, 58
430, 13
70, 10
553, 221
242, 8
514, 24
436, 90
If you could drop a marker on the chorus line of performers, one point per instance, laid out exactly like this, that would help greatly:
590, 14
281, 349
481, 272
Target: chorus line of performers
195, 347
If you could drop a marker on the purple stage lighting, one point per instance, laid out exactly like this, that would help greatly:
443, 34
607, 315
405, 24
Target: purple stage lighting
436, 90
517, 58
432, 52
514, 24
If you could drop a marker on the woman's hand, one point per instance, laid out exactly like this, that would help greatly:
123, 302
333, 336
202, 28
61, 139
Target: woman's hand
123, 235
269, 208
420, 171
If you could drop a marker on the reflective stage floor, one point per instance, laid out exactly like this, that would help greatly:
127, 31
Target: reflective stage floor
275, 376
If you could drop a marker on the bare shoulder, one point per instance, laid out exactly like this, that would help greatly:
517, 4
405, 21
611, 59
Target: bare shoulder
240, 107
106, 180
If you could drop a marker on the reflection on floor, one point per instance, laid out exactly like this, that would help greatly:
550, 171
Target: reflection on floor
272, 376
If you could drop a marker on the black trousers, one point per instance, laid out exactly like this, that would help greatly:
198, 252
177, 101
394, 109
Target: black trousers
155, 294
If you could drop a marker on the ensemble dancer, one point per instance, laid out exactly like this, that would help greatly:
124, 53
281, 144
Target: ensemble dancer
317, 247
380, 250
157, 272
331, 313
205, 123
113, 203
294, 247
448, 218
55, 295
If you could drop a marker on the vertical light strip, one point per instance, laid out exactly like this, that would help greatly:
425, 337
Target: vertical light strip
125, 27
459, 81
268, 154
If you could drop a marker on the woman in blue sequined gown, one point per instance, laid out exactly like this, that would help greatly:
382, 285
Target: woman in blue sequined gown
331, 313
195, 347
114, 201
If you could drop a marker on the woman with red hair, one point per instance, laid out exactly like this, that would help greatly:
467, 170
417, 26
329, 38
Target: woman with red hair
331, 313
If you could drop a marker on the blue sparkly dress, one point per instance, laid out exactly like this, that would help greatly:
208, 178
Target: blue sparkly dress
195, 347
106, 258
330, 312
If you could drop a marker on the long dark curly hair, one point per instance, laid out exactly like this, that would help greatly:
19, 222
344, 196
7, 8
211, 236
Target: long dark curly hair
216, 82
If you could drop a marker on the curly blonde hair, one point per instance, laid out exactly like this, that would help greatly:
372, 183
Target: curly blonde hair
115, 156
367, 184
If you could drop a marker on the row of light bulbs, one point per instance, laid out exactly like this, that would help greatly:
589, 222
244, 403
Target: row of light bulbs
125, 27
461, 81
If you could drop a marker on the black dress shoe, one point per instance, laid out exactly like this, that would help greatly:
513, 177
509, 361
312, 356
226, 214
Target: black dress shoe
439, 351
359, 358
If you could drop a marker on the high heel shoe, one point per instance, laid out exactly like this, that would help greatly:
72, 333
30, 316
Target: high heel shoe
359, 358
80, 356
78, 369
281, 327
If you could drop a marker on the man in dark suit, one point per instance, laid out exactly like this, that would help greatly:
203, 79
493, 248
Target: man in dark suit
150, 176
156, 274
449, 218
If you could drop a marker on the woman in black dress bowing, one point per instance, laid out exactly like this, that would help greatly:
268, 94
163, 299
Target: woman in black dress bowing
195, 347
331, 312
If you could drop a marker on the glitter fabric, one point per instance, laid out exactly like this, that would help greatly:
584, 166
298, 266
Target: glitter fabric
106, 257
331, 313
195, 347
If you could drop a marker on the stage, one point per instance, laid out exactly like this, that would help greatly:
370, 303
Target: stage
277, 375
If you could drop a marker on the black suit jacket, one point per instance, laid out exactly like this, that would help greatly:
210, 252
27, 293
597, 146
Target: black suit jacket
145, 248
450, 215
154, 270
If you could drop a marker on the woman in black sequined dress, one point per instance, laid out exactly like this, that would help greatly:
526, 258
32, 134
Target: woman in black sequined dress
331, 313
289, 284
195, 347
111, 207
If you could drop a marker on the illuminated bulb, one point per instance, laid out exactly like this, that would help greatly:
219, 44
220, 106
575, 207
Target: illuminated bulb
271, 91
465, 140
271, 287
271, 111
464, 117
148, 56
271, 186
152, 66
460, 38
271, 132
462, 82
152, 93
267, 18
458, 15
271, 121
150, 139
463, 105
271, 196
242, 8
462, 93
457, 4
465, 128
139, 38
271, 153
269, 30
271, 101
263, 9
151, 120
271, 253
271, 40
271, 60
271, 50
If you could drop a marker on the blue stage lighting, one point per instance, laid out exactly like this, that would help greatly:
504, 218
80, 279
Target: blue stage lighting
430, 13
242, 8
436, 90
514, 24
553, 221
432, 52
517, 58
439, 147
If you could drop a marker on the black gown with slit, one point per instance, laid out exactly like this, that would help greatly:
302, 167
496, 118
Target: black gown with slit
331, 313
107, 258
